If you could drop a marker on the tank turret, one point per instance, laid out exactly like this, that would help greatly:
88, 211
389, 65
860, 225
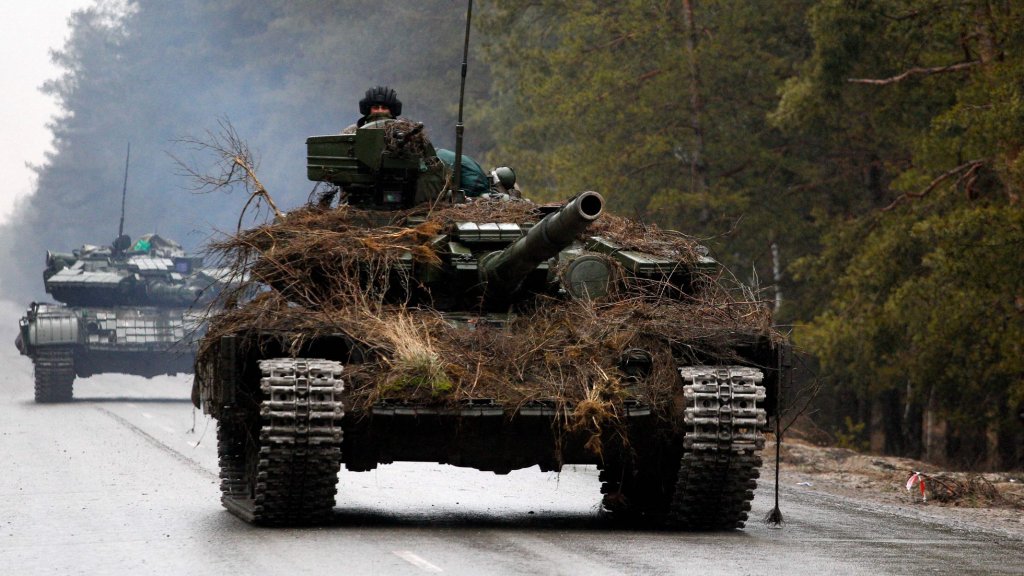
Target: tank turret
154, 271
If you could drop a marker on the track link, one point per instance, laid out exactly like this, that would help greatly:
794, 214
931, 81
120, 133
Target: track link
720, 464
54, 374
279, 465
707, 481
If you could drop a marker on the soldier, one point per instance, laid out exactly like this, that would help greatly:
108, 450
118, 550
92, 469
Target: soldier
500, 183
379, 103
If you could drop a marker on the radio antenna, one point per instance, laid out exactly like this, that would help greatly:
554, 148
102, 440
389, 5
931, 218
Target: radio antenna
124, 190
457, 190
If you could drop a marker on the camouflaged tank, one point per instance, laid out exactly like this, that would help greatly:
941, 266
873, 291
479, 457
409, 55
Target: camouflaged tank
123, 308
502, 335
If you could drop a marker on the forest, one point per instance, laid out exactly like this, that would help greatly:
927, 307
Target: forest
859, 162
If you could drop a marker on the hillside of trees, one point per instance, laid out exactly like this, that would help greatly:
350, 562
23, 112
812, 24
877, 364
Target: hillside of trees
859, 162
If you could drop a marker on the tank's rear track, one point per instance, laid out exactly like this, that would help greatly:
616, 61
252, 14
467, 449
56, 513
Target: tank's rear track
713, 483
279, 461
54, 374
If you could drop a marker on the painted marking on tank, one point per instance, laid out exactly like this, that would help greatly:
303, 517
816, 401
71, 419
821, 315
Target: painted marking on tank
416, 561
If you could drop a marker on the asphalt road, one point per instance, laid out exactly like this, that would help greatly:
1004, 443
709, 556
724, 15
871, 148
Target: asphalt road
123, 480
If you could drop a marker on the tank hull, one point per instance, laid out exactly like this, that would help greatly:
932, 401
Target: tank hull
680, 467
67, 342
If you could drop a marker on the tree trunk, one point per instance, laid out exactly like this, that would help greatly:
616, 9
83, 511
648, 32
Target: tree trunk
777, 277
936, 431
912, 431
992, 448
876, 431
698, 170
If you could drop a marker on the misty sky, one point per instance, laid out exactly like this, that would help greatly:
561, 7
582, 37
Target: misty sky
28, 30
278, 70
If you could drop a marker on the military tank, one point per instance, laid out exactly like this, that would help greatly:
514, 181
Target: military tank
126, 308
496, 334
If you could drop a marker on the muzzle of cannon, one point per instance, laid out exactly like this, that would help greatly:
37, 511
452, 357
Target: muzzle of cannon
503, 271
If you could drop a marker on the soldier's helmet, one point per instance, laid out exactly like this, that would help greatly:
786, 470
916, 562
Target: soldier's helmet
381, 96
504, 176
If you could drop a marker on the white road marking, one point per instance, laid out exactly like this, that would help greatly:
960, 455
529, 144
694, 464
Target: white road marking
416, 561
147, 415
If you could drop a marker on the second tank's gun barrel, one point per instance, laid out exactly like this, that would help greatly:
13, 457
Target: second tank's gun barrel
173, 294
504, 270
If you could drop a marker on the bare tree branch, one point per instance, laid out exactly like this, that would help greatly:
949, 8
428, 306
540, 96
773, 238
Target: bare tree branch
648, 75
234, 165
970, 168
915, 72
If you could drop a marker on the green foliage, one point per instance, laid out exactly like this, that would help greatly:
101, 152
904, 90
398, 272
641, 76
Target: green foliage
921, 276
852, 437
427, 379
611, 97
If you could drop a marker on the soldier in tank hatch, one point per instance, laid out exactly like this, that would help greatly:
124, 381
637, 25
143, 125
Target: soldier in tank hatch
380, 108
379, 103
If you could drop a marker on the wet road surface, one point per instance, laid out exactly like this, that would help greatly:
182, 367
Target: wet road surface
123, 480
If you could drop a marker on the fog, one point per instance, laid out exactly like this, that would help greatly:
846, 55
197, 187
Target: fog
150, 73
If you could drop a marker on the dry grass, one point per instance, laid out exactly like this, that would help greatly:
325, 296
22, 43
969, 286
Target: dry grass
884, 478
972, 490
316, 271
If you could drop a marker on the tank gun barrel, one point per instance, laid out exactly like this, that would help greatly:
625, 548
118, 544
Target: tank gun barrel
503, 271
173, 294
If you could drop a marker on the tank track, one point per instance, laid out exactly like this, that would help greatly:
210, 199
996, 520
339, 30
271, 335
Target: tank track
711, 484
720, 464
54, 374
279, 464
